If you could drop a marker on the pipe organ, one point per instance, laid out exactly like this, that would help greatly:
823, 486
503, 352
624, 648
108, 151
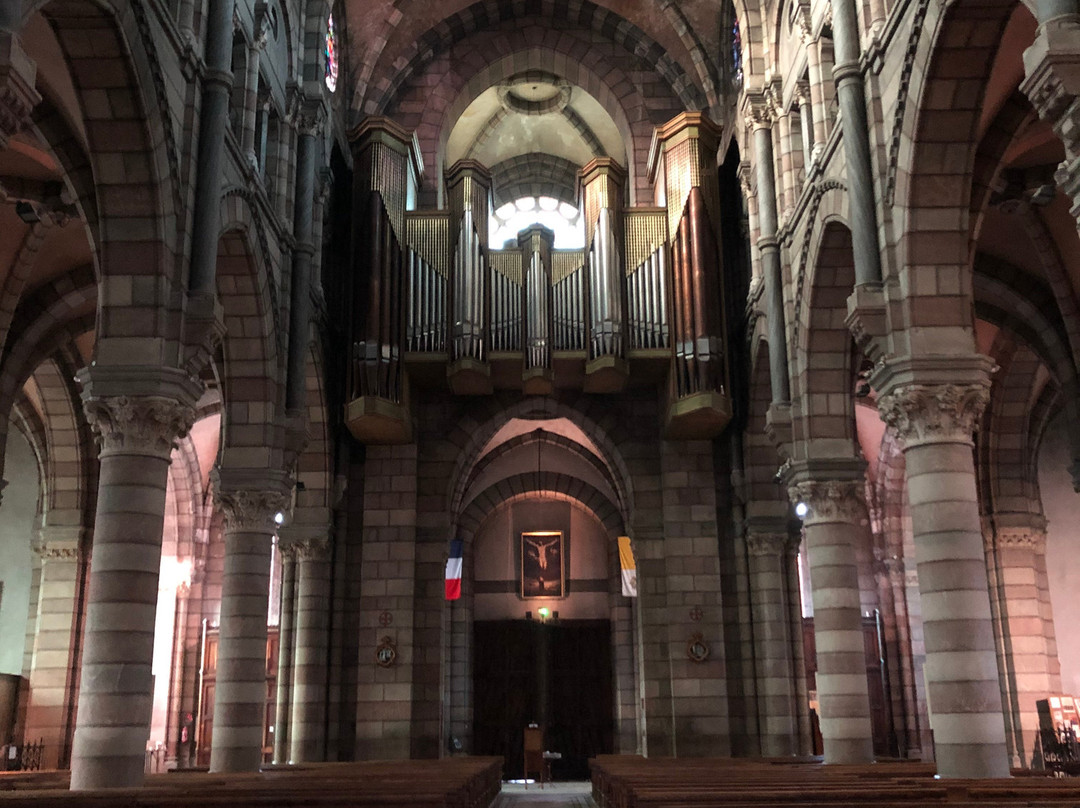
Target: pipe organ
432, 301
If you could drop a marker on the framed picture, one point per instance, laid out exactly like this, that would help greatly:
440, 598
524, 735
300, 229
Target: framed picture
543, 566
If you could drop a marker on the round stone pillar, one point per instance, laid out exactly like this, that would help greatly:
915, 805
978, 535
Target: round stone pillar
831, 527
249, 506
307, 725
136, 433
286, 633
935, 423
772, 642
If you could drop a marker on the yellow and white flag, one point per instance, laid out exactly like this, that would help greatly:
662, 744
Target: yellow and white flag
629, 568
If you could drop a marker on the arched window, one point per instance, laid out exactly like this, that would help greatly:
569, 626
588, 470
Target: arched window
736, 52
331, 54
560, 217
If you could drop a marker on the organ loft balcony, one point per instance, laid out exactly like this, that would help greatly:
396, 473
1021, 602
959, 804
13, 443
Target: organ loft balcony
459, 300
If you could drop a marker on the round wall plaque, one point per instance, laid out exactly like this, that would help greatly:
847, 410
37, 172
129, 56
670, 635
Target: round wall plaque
697, 649
386, 652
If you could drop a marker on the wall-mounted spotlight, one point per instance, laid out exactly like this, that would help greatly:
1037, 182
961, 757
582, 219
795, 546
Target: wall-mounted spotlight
279, 518
801, 509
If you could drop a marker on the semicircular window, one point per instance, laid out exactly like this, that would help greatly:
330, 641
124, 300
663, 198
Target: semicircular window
561, 218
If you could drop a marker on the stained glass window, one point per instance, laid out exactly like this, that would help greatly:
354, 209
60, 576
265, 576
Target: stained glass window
736, 52
331, 54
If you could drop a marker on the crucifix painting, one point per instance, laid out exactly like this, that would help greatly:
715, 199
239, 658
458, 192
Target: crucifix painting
543, 572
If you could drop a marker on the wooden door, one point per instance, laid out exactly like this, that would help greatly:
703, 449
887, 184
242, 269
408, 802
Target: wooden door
507, 671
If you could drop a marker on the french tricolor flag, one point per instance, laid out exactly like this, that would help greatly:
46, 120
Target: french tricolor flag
453, 571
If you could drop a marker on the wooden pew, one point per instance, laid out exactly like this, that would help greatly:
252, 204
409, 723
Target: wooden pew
453, 783
635, 782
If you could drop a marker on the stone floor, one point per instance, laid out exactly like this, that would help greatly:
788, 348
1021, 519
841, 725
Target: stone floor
552, 795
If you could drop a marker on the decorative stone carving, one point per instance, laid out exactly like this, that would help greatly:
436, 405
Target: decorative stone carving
1016, 537
1053, 86
767, 544
146, 425
311, 549
831, 500
250, 511
945, 413
17, 94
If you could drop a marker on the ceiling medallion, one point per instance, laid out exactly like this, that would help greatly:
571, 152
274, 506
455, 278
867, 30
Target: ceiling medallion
534, 92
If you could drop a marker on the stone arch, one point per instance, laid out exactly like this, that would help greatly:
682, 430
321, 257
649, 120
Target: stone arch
131, 128
251, 350
936, 159
313, 465
760, 457
26, 419
485, 65
584, 15
473, 433
520, 485
535, 174
823, 384
65, 483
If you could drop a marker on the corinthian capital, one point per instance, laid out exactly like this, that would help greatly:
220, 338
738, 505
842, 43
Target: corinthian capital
767, 544
250, 499
938, 413
145, 425
252, 511
830, 500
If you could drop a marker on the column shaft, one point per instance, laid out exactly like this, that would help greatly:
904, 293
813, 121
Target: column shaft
251, 103
52, 672
214, 118
961, 663
817, 94
308, 724
849, 88
772, 644
300, 317
770, 264
831, 529
283, 707
240, 691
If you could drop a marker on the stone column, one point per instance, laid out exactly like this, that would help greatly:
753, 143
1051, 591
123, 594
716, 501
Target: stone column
831, 526
286, 643
300, 289
250, 500
51, 707
1015, 550
817, 96
934, 408
137, 414
849, 89
307, 724
766, 546
251, 89
769, 249
806, 114
798, 649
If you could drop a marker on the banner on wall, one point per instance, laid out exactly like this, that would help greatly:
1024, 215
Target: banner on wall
629, 568
453, 571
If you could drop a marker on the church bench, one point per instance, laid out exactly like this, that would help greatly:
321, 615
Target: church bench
454, 783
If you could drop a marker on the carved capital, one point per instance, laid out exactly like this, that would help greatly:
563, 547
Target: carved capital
767, 544
17, 94
143, 425
939, 413
250, 511
310, 116
830, 500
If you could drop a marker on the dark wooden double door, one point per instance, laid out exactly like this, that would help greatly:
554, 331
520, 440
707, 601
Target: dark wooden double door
522, 668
